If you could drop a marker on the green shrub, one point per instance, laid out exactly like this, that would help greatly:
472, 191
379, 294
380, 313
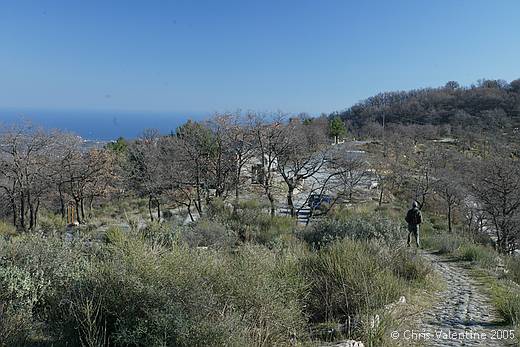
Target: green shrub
19, 293
443, 242
377, 334
268, 291
437, 223
208, 233
270, 230
7, 229
133, 221
51, 223
52, 261
406, 264
358, 227
507, 302
484, 256
482, 238
164, 234
513, 269
250, 222
154, 287
218, 209
347, 280
137, 294
115, 235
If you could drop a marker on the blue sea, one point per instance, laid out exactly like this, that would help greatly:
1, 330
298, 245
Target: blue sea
100, 125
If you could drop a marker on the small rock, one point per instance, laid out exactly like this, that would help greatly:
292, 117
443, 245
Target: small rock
374, 321
349, 343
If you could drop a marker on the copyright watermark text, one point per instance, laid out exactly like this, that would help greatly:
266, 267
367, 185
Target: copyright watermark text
440, 334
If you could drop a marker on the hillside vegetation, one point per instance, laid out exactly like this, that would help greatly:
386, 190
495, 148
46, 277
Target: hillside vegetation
488, 105
196, 238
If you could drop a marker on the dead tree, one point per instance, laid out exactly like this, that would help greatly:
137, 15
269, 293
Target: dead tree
271, 139
144, 171
24, 153
496, 187
301, 156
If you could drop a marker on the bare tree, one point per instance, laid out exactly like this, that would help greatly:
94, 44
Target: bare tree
87, 174
271, 140
145, 176
496, 187
421, 172
353, 172
67, 148
178, 185
224, 142
23, 172
241, 141
448, 188
301, 156
197, 146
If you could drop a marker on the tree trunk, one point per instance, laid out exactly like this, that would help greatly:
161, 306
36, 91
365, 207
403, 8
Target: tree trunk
62, 202
82, 205
272, 204
91, 206
189, 212
22, 212
237, 194
237, 183
78, 209
13, 206
31, 214
290, 202
198, 204
158, 209
470, 221
237, 191
449, 218
36, 211
150, 207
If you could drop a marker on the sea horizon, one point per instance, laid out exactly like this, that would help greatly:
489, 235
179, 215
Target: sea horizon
99, 125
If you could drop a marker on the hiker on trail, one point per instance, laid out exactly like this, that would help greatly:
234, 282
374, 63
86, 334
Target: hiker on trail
413, 218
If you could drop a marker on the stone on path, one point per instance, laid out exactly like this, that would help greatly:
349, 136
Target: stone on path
462, 310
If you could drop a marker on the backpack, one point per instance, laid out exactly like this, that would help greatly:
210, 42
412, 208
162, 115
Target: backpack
414, 217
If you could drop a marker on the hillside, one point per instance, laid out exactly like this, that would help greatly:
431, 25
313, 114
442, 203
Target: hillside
487, 105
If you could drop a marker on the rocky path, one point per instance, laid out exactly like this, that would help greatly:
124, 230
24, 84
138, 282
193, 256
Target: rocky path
463, 314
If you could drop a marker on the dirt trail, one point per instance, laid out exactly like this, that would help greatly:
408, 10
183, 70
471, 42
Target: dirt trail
462, 309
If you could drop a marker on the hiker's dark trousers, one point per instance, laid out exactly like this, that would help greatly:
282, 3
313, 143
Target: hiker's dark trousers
413, 230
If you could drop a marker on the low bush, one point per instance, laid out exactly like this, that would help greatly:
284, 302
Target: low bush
268, 230
46, 267
481, 238
408, 265
51, 223
115, 235
366, 227
250, 222
507, 301
513, 269
348, 280
443, 242
7, 229
484, 256
186, 297
153, 286
133, 292
19, 293
208, 233
158, 233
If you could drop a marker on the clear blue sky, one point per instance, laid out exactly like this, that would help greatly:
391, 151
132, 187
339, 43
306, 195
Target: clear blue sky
205, 56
